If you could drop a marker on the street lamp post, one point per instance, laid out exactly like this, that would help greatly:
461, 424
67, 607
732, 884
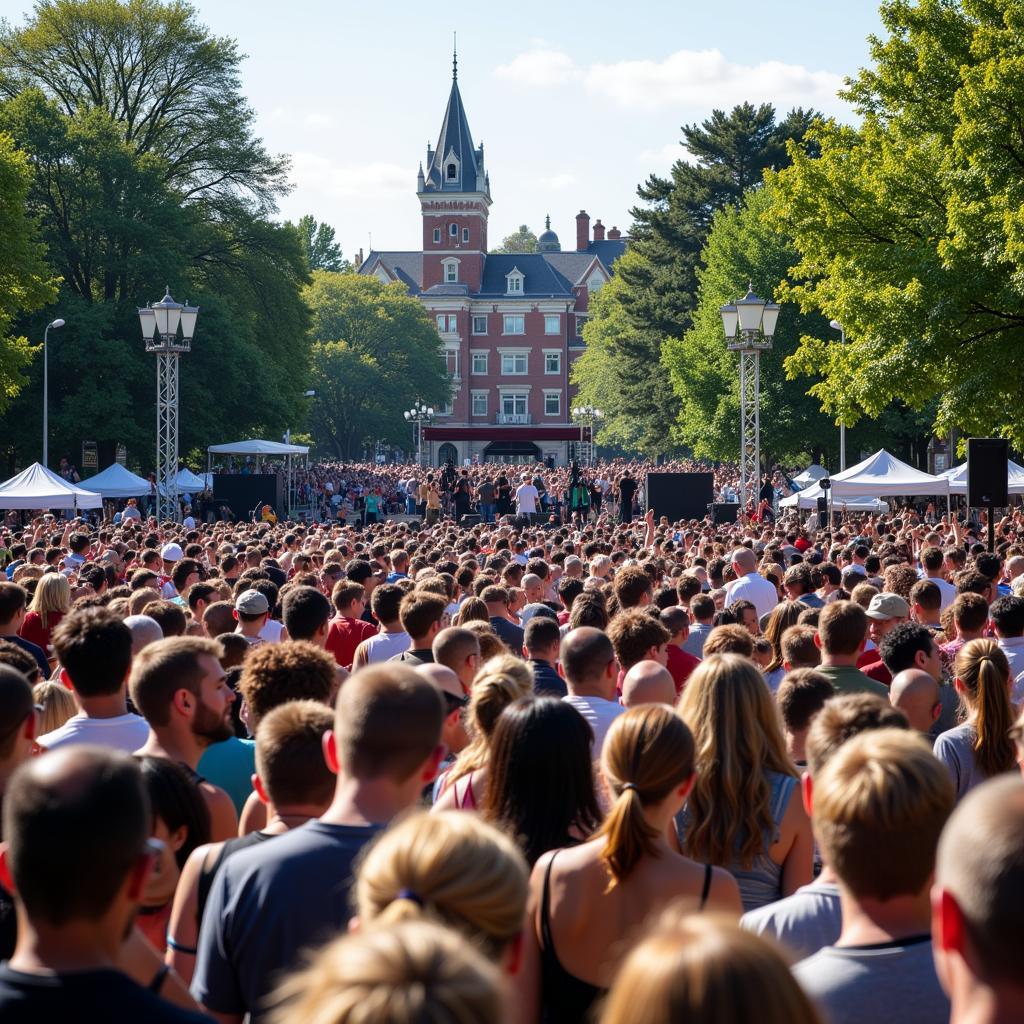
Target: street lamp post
755, 319
837, 326
160, 322
418, 415
587, 416
55, 324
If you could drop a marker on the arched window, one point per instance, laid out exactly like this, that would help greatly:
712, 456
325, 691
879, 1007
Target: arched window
447, 453
452, 172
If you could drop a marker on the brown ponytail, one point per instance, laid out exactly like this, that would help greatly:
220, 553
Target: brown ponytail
984, 675
647, 753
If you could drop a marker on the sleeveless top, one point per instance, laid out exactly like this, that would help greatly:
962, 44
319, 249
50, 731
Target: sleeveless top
207, 874
761, 883
567, 999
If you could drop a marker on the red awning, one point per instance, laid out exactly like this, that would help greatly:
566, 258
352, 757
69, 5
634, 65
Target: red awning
491, 432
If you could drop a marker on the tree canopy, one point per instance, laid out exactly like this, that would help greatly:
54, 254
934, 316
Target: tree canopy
521, 240
319, 246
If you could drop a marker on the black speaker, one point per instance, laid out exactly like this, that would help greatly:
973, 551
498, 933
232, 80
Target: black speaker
822, 513
987, 469
724, 512
242, 492
470, 519
680, 495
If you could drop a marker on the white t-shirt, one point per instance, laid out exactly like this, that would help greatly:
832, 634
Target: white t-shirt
271, 631
754, 588
526, 498
124, 732
384, 646
599, 713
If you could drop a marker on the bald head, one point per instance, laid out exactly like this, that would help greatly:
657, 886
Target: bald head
745, 559
978, 900
585, 655
916, 694
647, 682
443, 678
145, 631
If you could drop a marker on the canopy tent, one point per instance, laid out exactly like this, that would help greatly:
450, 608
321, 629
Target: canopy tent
957, 477
883, 474
810, 475
258, 447
117, 482
808, 498
37, 487
186, 482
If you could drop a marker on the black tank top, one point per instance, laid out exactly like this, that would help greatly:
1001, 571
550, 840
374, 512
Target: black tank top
567, 999
208, 874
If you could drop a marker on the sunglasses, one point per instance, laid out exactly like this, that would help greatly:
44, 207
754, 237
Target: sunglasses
453, 703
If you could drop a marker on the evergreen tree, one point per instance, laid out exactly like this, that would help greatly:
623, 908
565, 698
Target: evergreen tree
319, 245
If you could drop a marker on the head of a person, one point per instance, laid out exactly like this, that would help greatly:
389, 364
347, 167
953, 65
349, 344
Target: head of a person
145, 631
18, 721
705, 969
275, 673
55, 704
422, 615
842, 629
633, 588
648, 682
587, 659
218, 618
800, 696
1007, 615
290, 766
885, 612
459, 650
729, 639
916, 693
52, 597
970, 615
739, 740
169, 616
743, 561
879, 807
385, 603
13, 606
408, 973
349, 598
536, 740
844, 717
542, 639
93, 801
745, 613
911, 645
178, 684
450, 868
982, 679
95, 647
306, 614
252, 609
977, 898
798, 648
637, 636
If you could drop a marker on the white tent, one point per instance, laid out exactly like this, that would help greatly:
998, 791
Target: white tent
258, 447
957, 477
810, 475
186, 482
117, 482
37, 487
883, 474
808, 498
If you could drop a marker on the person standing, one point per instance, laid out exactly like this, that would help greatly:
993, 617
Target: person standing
485, 494
627, 492
527, 497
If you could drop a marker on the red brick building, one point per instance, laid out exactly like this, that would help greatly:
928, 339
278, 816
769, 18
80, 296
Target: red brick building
510, 325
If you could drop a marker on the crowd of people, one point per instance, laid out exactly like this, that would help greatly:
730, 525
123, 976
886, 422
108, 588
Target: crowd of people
531, 768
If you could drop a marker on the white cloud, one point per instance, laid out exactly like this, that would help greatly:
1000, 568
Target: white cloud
686, 78
540, 67
315, 173
316, 119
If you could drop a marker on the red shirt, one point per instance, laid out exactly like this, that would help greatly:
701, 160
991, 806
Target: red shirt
344, 636
878, 672
32, 629
680, 664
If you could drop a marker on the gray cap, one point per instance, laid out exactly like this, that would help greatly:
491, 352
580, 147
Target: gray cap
888, 606
252, 602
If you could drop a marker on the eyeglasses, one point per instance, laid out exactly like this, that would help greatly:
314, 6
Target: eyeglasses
453, 703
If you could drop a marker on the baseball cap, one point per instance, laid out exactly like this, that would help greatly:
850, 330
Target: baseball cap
252, 602
172, 553
888, 606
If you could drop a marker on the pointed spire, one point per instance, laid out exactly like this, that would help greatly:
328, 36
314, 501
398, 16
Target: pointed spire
455, 164
547, 222
455, 57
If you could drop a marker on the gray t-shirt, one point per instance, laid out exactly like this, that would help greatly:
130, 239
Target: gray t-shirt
694, 643
268, 904
891, 981
804, 922
955, 749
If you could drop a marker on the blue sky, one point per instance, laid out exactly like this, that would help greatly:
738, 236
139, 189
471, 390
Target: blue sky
576, 103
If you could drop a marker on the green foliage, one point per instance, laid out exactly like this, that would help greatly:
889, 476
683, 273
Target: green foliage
24, 284
319, 246
909, 228
521, 240
375, 351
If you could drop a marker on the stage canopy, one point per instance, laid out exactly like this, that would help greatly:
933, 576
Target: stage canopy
883, 474
810, 475
117, 482
808, 498
957, 477
37, 487
258, 447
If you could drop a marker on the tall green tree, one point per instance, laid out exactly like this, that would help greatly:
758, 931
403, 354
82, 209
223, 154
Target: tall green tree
24, 281
909, 226
521, 240
319, 245
375, 351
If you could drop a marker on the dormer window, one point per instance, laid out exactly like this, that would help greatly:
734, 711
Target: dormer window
452, 172
514, 282
451, 271
451, 167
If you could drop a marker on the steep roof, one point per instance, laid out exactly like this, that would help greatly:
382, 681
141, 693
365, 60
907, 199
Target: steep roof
540, 278
455, 139
406, 266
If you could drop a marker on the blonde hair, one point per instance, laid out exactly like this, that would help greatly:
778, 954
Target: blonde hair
412, 973
53, 594
58, 703
705, 969
647, 753
451, 868
983, 672
500, 681
782, 617
739, 740
879, 806
490, 645
140, 598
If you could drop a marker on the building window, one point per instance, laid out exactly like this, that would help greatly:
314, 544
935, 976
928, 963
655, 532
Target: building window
448, 323
479, 403
552, 403
514, 283
580, 321
453, 230
515, 323
437, 236
513, 364
513, 404
552, 362
452, 172
465, 234
451, 361
444, 409
451, 273
479, 324
480, 364
551, 323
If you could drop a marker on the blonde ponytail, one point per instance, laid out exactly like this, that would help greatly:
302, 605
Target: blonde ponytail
984, 674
